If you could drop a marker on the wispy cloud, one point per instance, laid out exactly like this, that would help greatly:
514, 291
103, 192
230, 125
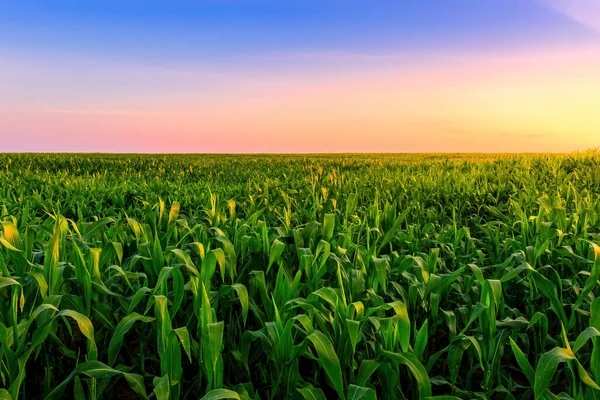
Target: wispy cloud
585, 12
115, 112
330, 55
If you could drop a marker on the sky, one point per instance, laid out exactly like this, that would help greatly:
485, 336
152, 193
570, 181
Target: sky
299, 76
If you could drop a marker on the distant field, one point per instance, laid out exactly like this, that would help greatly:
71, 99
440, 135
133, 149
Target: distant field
300, 276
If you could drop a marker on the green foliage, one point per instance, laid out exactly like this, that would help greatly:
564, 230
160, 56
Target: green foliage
300, 277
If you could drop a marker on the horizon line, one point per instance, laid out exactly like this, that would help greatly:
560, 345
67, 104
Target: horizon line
596, 149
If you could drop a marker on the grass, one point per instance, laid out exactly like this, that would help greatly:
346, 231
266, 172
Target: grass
300, 277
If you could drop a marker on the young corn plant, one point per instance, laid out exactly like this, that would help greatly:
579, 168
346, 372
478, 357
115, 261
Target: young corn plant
383, 276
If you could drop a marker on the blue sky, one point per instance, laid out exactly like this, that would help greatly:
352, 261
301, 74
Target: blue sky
219, 31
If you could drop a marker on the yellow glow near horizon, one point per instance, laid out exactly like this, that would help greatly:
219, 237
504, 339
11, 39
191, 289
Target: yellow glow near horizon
547, 101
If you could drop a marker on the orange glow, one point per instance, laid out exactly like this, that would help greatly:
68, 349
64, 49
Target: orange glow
547, 101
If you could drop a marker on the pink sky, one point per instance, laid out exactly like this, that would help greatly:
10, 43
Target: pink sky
546, 101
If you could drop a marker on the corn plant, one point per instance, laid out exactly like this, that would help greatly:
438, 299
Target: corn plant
300, 276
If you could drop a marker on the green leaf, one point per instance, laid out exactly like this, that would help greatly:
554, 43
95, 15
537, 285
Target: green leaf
421, 340
86, 328
523, 362
164, 322
389, 235
51, 272
546, 368
354, 332
585, 377
366, 369
584, 336
242, 294
162, 387
8, 244
4, 282
328, 360
98, 370
328, 226
217, 394
360, 392
416, 368
137, 298
18, 381
595, 322
184, 338
275, 253
120, 331
41, 281
403, 324
171, 359
78, 391
311, 393
215, 338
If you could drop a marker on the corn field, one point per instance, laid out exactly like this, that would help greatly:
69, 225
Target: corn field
300, 277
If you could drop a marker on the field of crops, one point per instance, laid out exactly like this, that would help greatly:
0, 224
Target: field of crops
299, 277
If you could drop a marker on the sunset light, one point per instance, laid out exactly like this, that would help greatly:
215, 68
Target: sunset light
306, 76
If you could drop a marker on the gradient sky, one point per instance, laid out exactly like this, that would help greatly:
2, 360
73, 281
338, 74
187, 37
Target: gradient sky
299, 75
